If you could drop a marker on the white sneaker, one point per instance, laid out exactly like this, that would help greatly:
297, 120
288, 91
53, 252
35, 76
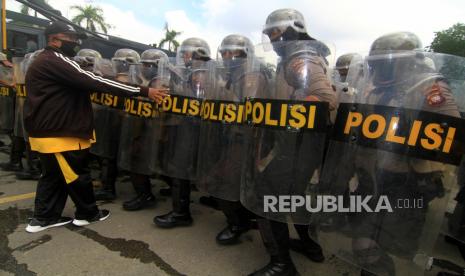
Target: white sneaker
101, 215
36, 225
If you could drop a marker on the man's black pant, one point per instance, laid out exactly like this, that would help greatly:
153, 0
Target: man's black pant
64, 174
275, 236
235, 212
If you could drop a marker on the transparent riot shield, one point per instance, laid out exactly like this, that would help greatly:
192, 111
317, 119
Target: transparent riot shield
7, 99
391, 159
222, 133
453, 228
163, 119
288, 124
107, 110
176, 77
180, 133
19, 65
141, 125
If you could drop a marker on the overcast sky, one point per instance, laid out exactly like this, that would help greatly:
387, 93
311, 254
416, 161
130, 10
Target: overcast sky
349, 25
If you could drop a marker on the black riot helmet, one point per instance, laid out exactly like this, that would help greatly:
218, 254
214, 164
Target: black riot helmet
392, 56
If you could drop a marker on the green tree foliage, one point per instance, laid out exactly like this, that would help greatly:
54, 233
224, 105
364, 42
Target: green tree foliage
25, 9
170, 38
92, 17
450, 41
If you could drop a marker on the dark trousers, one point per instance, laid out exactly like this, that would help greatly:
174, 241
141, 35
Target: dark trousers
275, 236
141, 183
181, 195
235, 212
31, 157
18, 146
64, 174
109, 174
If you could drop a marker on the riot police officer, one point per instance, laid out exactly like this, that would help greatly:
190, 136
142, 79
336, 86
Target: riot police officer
6, 97
181, 132
140, 133
17, 143
7, 84
343, 91
342, 65
276, 171
86, 58
396, 177
220, 156
31, 171
399, 82
108, 124
5, 63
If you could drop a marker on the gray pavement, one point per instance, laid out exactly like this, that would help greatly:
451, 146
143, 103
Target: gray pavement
129, 244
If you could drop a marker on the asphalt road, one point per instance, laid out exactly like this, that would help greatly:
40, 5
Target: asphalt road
128, 243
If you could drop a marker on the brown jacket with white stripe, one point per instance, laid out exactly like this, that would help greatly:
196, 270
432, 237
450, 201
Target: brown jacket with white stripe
58, 96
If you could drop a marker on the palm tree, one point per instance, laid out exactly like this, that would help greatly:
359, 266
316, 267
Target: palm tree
25, 9
170, 37
93, 16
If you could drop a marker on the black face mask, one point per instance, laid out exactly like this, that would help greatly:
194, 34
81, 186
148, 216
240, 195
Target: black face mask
149, 71
233, 63
279, 49
343, 78
188, 63
121, 66
69, 48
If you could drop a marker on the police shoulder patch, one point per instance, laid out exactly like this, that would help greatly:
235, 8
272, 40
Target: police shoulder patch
434, 96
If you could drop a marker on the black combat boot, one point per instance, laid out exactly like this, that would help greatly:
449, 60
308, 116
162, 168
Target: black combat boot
306, 245
275, 236
209, 201
180, 216
144, 197
16, 154
105, 194
277, 267
238, 222
384, 266
109, 174
231, 234
12, 166
32, 170
372, 258
27, 174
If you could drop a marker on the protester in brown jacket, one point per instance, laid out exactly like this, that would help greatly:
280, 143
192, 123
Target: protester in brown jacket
58, 118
